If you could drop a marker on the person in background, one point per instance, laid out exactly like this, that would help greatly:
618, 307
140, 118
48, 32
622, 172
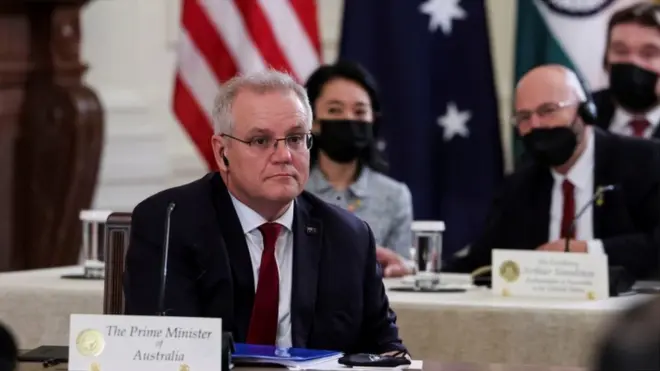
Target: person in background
569, 162
630, 106
346, 166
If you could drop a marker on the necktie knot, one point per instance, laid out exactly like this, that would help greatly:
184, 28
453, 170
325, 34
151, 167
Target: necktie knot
639, 126
270, 232
567, 186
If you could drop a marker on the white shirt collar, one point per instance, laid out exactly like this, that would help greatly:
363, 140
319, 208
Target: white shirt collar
580, 172
623, 118
251, 220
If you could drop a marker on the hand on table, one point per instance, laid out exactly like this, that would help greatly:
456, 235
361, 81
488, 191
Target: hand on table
393, 264
560, 246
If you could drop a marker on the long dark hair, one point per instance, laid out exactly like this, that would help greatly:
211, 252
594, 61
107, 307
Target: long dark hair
371, 156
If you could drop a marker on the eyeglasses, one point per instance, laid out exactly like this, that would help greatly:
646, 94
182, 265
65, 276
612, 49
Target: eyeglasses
544, 111
294, 142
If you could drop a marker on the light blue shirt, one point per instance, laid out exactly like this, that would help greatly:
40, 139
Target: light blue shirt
384, 203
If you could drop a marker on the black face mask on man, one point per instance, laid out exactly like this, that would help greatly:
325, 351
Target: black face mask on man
633, 87
551, 147
344, 140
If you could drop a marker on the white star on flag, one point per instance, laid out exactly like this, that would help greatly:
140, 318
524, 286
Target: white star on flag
442, 13
454, 122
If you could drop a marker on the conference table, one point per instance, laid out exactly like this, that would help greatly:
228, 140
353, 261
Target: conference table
474, 326
428, 366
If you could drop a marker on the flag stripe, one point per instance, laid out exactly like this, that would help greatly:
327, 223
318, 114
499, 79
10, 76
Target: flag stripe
306, 11
262, 34
207, 41
230, 25
197, 123
196, 73
292, 37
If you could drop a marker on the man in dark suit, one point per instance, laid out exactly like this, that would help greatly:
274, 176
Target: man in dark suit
630, 106
568, 162
250, 227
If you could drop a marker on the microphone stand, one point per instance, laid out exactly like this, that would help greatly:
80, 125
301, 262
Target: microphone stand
598, 194
166, 250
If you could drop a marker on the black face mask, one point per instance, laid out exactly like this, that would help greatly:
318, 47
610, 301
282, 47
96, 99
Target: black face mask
633, 87
344, 140
551, 147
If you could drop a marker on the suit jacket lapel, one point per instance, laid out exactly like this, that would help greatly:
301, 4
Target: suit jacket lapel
602, 176
239, 256
656, 132
307, 232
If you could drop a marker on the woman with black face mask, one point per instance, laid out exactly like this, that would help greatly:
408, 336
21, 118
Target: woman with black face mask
347, 167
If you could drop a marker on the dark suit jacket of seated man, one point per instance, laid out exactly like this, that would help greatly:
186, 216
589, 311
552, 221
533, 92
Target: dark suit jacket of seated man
331, 290
627, 221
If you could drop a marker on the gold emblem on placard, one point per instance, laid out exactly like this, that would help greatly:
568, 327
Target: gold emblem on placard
509, 271
184, 367
90, 343
591, 295
505, 292
95, 367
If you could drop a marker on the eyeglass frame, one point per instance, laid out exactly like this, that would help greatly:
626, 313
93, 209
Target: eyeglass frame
308, 138
558, 106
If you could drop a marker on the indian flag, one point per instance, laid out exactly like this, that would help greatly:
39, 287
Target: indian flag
568, 32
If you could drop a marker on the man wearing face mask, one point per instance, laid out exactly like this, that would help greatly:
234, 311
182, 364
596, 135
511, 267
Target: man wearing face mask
568, 162
630, 105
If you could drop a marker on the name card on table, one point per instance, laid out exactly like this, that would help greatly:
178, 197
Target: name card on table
524, 273
144, 343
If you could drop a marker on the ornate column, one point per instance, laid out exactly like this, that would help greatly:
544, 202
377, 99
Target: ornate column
57, 123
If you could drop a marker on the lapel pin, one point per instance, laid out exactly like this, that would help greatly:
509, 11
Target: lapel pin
310, 230
599, 200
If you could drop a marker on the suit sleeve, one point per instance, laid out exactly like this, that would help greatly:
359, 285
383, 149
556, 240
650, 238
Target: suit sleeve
143, 271
379, 333
400, 237
638, 252
494, 234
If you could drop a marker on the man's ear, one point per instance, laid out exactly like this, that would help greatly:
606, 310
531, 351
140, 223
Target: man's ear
316, 126
218, 145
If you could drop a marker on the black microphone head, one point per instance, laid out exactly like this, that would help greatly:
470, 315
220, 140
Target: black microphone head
8, 350
171, 207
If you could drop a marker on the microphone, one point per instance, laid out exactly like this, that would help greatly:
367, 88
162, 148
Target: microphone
597, 197
8, 350
166, 250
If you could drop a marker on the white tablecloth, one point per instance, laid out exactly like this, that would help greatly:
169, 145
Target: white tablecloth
466, 327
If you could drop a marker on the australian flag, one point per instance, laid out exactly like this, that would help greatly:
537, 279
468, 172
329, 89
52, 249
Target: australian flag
432, 61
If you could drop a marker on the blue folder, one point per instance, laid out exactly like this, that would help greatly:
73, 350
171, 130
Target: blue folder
266, 354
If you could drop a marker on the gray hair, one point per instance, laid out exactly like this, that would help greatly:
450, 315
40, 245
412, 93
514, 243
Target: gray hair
260, 82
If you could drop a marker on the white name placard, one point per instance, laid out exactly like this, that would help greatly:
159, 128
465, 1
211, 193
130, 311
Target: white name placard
144, 343
525, 273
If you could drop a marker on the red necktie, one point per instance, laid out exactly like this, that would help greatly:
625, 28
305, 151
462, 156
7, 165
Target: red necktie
639, 127
569, 210
263, 324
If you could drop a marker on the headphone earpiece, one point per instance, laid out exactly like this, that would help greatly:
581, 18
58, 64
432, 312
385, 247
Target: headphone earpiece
586, 110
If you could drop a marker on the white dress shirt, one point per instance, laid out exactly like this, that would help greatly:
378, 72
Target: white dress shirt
621, 120
581, 175
251, 221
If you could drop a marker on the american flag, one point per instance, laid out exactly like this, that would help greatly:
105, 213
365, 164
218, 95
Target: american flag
222, 38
